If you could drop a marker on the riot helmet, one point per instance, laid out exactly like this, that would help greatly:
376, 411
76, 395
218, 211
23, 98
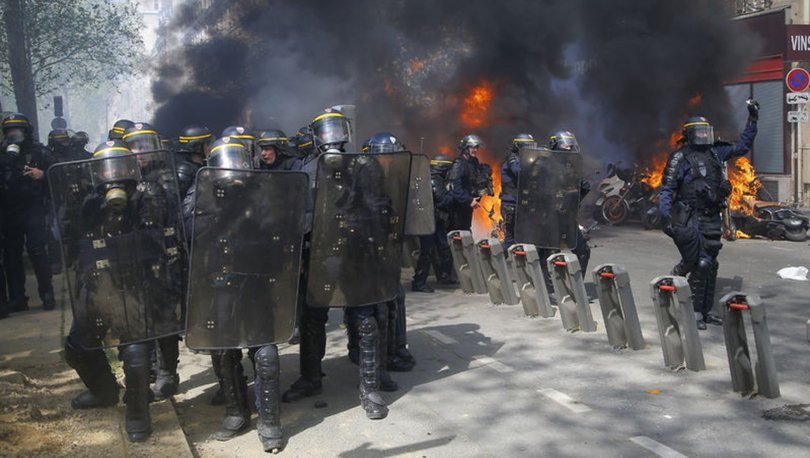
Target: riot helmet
273, 137
272, 143
521, 141
80, 139
563, 140
441, 163
330, 131
383, 142
58, 140
228, 153
240, 134
142, 138
114, 170
302, 141
195, 139
469, 144
698, 132
16, 128
119, 128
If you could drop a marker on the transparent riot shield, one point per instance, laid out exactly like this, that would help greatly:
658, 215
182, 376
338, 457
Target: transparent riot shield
248, 229
122, 242
358, 226
548, 198
419, 217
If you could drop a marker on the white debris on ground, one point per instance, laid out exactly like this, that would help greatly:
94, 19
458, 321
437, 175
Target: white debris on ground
793, 273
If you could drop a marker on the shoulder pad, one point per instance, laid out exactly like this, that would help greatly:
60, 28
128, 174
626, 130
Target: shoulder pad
722, 143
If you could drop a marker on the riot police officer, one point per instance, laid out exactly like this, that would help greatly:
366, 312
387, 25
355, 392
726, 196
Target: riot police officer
510, 170
232, 154
78, 146
24, 195
330, 133
59, 144
464, 178
141, 138
122, 244
193, 146
433, 248
274, 151
692, 197
564, 140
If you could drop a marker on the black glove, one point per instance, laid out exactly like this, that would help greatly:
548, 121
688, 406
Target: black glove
753, 110
666, 225
584, 188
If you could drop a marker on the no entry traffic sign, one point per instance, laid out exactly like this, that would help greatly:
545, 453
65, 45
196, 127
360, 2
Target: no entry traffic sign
798, 80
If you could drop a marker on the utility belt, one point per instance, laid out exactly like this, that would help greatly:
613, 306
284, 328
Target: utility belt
682, 212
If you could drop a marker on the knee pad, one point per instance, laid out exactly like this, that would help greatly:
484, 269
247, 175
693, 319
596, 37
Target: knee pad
704, 267
267, 362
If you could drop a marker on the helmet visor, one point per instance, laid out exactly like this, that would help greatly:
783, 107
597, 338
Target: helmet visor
700, 133
229, 156
332, 129
143, 141
115, 168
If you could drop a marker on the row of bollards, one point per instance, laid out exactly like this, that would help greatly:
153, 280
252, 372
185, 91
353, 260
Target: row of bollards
516, 277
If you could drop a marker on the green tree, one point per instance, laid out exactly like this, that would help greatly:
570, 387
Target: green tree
46, 45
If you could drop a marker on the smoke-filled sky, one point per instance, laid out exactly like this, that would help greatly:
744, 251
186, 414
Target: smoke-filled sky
618, 73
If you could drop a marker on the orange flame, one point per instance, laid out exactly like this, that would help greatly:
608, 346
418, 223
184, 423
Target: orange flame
742, 235
476, 105
744, 185
475, 113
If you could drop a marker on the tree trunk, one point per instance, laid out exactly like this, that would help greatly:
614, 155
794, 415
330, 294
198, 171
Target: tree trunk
19, 59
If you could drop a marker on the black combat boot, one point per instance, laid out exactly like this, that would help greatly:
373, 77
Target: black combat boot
167, 380
138, 423
237, 412
370, 397
94, 370
268, 400
313, 344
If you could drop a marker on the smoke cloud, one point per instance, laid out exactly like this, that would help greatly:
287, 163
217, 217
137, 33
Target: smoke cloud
619, 74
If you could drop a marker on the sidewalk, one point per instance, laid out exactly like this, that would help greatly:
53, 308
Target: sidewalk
36, 386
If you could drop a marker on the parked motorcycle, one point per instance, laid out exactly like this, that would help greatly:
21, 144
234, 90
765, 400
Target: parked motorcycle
633, 198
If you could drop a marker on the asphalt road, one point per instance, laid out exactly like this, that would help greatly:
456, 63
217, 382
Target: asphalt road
490, 381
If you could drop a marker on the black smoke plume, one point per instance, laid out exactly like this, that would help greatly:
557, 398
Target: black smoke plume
618, 73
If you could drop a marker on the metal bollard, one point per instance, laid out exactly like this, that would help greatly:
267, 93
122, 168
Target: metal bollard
672, 299
739, 357
465, 259
531, 284
618, 307
496, 271
572, 300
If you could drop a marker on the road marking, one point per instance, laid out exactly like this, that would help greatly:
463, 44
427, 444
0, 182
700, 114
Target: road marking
447, 340
656, 447
564, 400
491, 362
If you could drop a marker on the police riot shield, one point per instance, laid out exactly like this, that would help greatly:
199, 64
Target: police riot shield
121, 235
358, 226
548, 198
248, 229
419, 217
